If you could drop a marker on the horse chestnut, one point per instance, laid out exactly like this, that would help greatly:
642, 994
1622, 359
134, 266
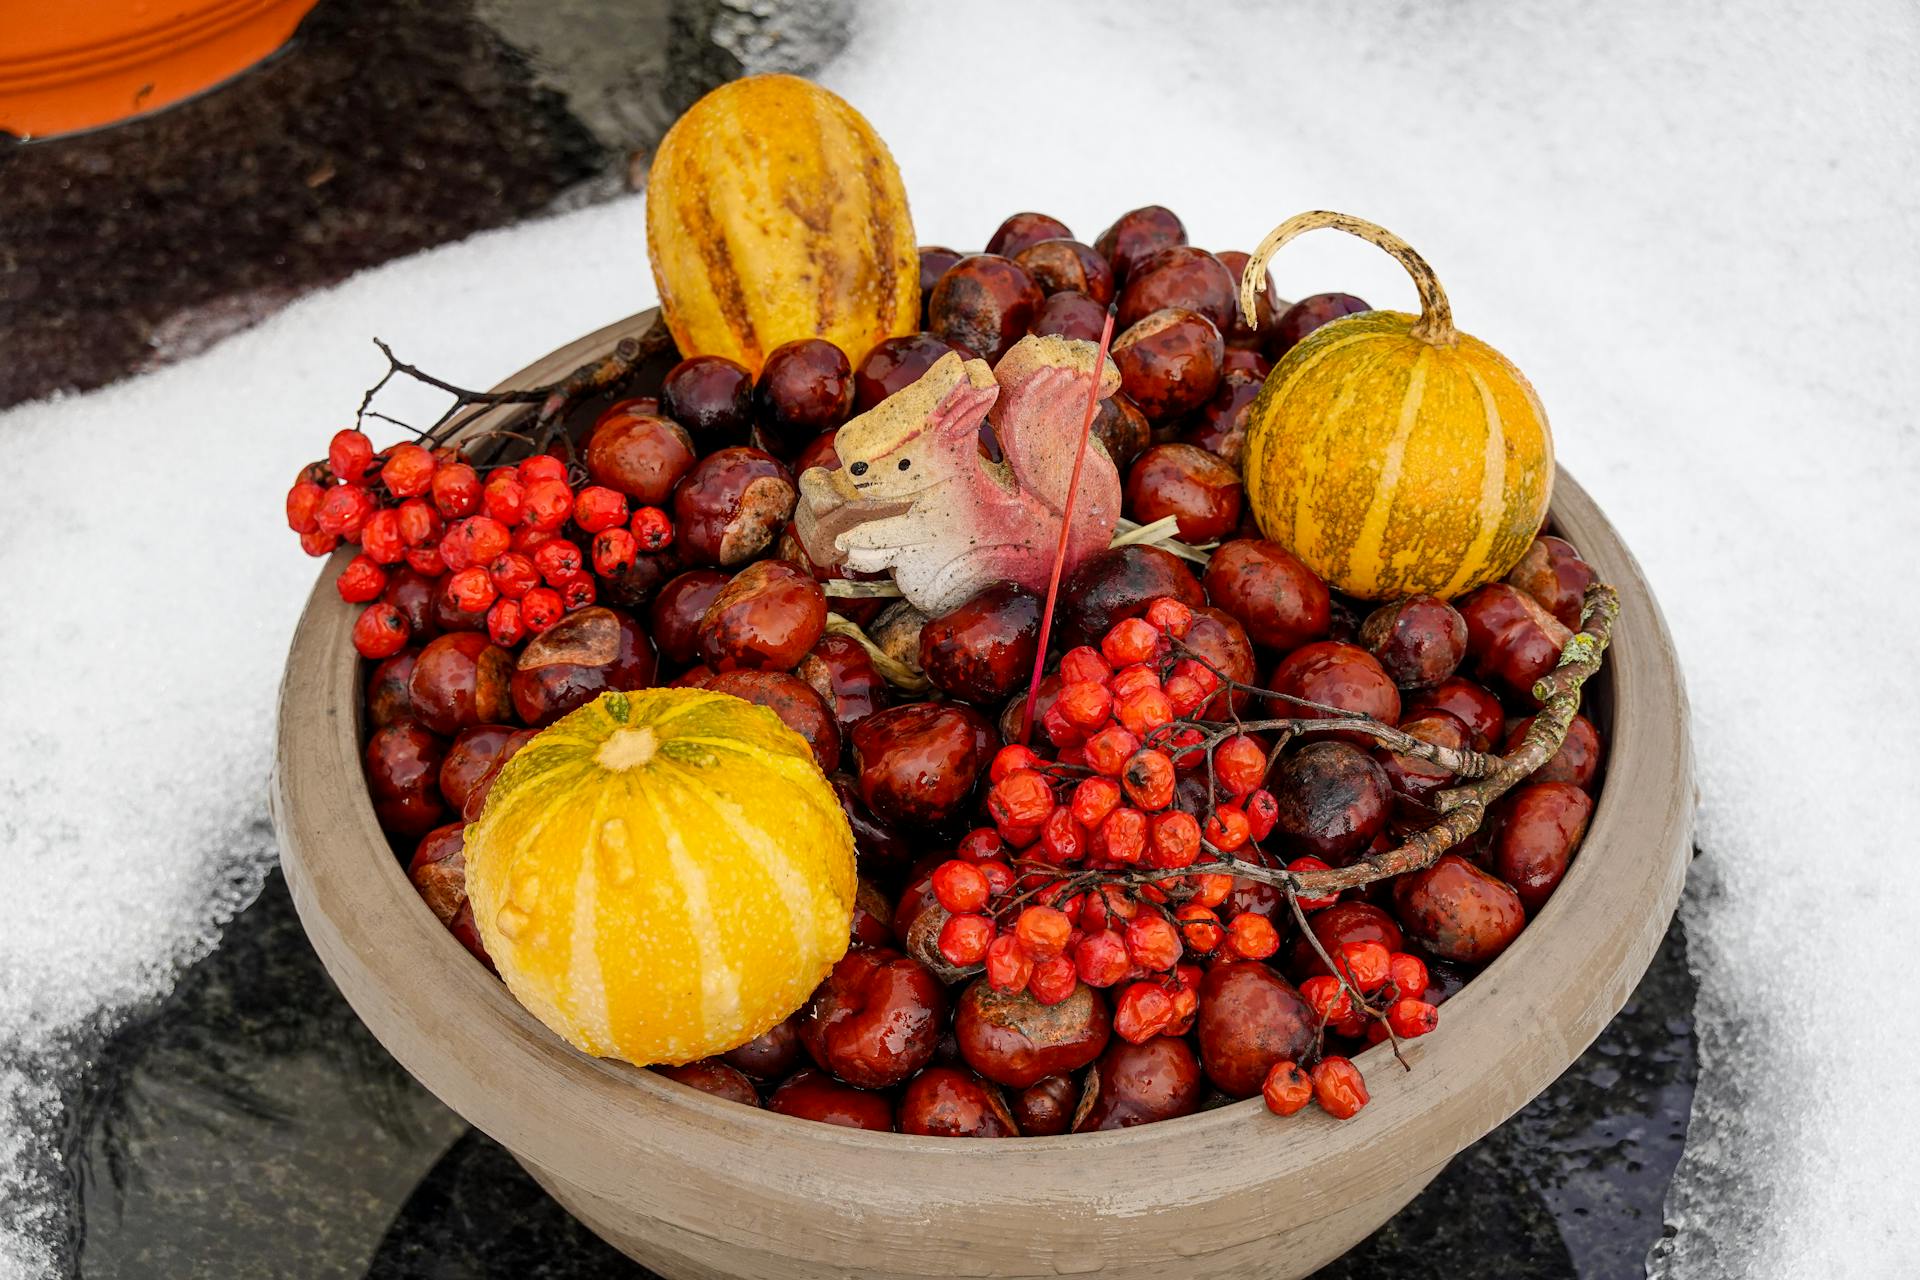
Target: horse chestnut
1220, 425
876, 1019
1250, 1018
577, 659
893, 363
403, 775
1280, 601
1023, 229
1333, 798
438, 871
804, 388
1577, 760
1308, 314
1472, 705
1014, 1040
935, 261
1137, 234
794, 701
673, 619
1541, 825
1122, 430
712, 397
1180, 276
387, 696
1457, 911
765, 619
950, 1102
815, 1095
1119, 583
1334, 674
1553, 573
1045, 1107
1337, 925
840, 670
985, 303
1511, 638
1238, 334
639, 454
1418, 641
1169, 362
460, 680
983, 649
1062, 265
918, 763
711, 1075
1070, 315
732, 505
1195, 487
771, 1055
1133, 1084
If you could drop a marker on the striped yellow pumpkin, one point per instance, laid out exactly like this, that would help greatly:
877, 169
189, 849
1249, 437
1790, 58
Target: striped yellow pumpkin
662, 875
774, 213
1392, 453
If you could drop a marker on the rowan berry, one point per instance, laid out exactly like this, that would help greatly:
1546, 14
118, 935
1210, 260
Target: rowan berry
559, 561
1175, 841
1410, 1017
1042, 931
598, 507
540, 608
1227, 828
1252, 936
1327, 998
362, 580
1062, 839
1170, 615
542, 466
1093, 800
614, 550
1287, 1088
1184, 696
1199, 928
964, 939
549, 504
426, 561
1142, 1012
457, 491
1060, 731
1240, 764
959, 886
1085, 704
1020, 801
471, 589
1211, 889
505, 498
1263, 812
653, 529
1053, 979
1339, 1087
317, 543
1299, 865
1408, 974
1143, 710
1153, 942
578, 593
408, 470
1126, 681
1363, 963
420, 523
380, 631
999, 876
1009, 965
1101, 958
1148, 779
1122, 838
344, 511
1011, 757
980, 844
1084, 663
380, 537
349, 454
303, 504
514, 575
476, 540
1130, 641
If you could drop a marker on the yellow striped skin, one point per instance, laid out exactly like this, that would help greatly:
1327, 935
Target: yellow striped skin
774, 213
1393, 466
662, 875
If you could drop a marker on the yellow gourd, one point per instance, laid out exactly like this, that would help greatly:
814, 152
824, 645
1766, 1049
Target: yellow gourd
1392, 453
774, 213
662, 875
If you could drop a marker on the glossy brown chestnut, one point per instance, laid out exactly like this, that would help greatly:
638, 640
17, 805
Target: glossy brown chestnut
449, 616
815, 1095
876, 1019
1337, 925
765, 619
1136, 234
794, 701
1468, 702
1415, 781
413, 594
1169, 362
476, 800
1220, 425
1512, 639
872, 916
839, 669
474, 754
818, 452
1199, 490
1578, 759
1334, 800
1134, 1084
1121, 429
673, 619
1308, 314
804, 388
438, 870
1457, 911
1014, 1040
1553, 573
403, 775
1239, 334
951, 1102
1045, 1107
1218, 639
1280, 601
642, 455
1250, 1018
711, 1075
387, 696
1180, 276
577, 659
712, 397
772, 1055
983, 649
460, 680
1418, 641
1119, 583
918, 764
1241, 360
732, 505
893, 363
1338, 675
935, 261
1023, 229
1063, 265
1541, 826
986, 303
1070, 315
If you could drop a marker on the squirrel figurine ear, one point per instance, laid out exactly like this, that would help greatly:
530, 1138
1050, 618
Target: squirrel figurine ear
1036, 351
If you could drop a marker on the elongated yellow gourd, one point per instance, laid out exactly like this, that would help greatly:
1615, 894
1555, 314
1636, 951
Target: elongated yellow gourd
1392, 453
774, 213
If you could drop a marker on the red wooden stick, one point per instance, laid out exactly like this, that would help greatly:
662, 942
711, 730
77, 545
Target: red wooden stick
1066, 523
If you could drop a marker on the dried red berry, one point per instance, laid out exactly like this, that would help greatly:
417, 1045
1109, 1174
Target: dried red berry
362, 580
1093, 800
504, 624
1009, 966
408, 470
1109, 750
1130, 641
1175, 841
559, 561
1327, 998
1148, 779
344, 511
1144, 709
1340, 1088
1408, 974
1199, 928
1299, 865
1042, 931
456, 490
1252, 936
1020, 802
964, 939
349, 454
578, 593
514, 575
420, 523
380, 537
1123, 836
540, 608
505, 498
1240, 764
1053, 980
471, 589
380, 631
653, 529
1263, 813
541, 467
1409, 1018
613, 551
1170, 616
1142, 1012
1011, 757
599, 507
959, 886
303, 503
1085, 704
1084, 663
1287, 1088
1152, 942
1364, 964
1101, 958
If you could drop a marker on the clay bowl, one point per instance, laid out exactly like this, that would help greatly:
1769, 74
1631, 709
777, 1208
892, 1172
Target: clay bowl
696, 1187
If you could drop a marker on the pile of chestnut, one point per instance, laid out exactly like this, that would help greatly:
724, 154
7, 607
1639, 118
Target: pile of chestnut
734, 604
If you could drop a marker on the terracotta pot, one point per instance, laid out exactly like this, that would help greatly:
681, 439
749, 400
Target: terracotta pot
67, 65
696, 1187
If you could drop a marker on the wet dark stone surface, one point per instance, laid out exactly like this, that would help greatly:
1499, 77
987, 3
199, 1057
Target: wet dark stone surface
252, 1126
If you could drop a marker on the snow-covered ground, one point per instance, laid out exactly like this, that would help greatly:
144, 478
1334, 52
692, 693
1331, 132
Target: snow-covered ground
1694, 227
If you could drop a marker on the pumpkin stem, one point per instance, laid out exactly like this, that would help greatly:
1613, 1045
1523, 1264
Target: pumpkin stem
1435, 324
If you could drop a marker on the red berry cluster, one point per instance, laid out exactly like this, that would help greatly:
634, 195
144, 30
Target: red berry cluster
500, 544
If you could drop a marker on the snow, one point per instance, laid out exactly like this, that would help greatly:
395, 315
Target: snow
1692, 227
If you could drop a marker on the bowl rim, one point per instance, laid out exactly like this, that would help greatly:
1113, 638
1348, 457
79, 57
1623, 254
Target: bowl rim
457, 1029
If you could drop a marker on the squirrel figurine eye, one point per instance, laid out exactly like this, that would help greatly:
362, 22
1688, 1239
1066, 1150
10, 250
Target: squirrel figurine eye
858, 468
905, 463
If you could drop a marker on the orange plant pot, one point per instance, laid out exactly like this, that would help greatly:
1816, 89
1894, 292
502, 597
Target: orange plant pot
67, 65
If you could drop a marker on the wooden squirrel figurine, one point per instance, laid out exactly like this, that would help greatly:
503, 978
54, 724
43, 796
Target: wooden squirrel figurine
913, 493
